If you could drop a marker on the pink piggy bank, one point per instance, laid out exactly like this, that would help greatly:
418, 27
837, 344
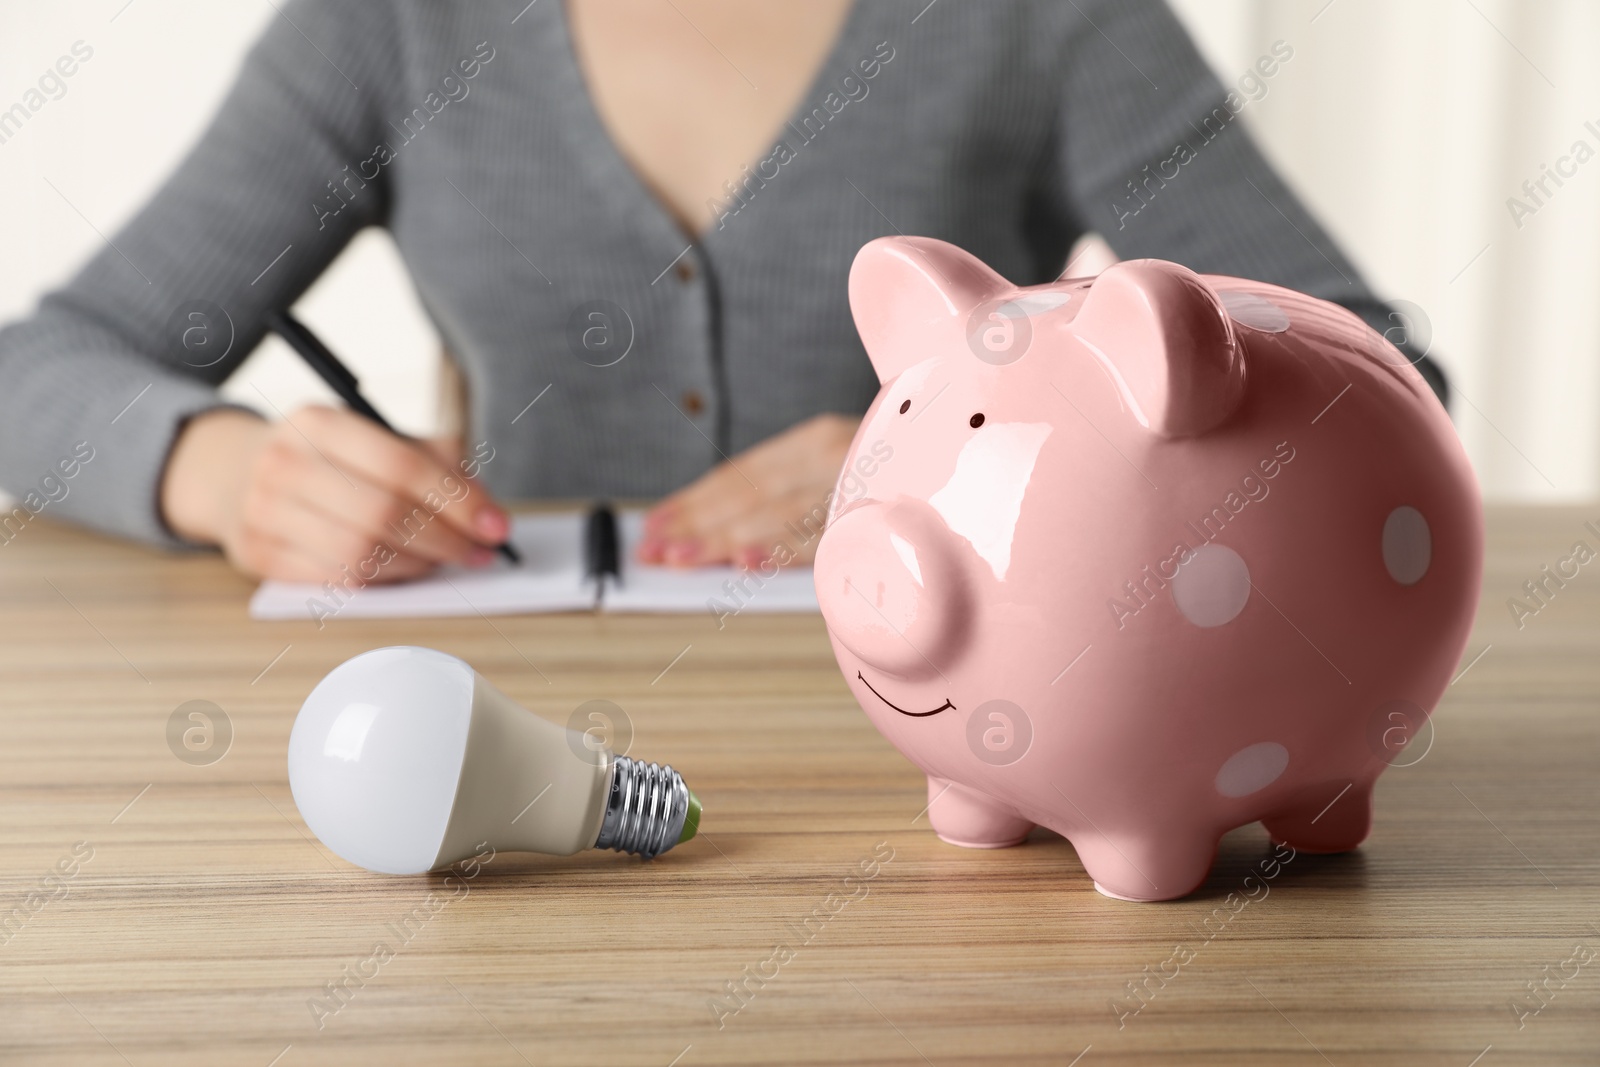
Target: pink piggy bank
1142, 558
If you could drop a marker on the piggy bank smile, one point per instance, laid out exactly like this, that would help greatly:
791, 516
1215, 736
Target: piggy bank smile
946, 706
1130, 576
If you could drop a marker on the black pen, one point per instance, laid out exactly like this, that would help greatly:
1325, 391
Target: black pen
341, 381
600, 546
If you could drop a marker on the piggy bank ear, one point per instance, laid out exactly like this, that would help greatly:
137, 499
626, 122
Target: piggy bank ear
1167, 340
908, 292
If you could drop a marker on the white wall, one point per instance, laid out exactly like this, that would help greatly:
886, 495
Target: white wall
1406, 126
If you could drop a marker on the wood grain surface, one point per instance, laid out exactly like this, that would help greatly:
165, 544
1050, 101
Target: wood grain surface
164, 911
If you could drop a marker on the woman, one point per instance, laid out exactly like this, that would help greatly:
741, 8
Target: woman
632, 221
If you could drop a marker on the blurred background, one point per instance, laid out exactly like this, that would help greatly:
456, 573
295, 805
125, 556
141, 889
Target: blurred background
1410, 129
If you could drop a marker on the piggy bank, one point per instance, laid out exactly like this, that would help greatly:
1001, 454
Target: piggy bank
1142, 558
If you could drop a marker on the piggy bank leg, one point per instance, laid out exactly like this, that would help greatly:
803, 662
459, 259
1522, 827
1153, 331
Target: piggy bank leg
972, 820
1162, 865
1328, 818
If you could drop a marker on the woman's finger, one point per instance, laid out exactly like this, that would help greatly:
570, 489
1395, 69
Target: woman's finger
405, 468
378, 513
695, 513
787, 529
337, 548
262, 554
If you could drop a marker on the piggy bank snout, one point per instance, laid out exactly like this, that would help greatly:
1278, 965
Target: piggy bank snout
892, 588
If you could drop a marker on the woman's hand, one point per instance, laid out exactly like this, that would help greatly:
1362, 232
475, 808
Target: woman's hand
742, 510
327, 490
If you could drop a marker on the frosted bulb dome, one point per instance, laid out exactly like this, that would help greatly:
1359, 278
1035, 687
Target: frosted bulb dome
376, 753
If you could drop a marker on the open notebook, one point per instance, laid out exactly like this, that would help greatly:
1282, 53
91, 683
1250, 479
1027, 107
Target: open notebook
550, 579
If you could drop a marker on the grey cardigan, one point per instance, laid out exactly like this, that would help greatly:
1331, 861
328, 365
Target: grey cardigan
1008, 127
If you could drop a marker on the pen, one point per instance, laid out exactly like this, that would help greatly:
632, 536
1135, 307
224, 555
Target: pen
600, 548
341, 381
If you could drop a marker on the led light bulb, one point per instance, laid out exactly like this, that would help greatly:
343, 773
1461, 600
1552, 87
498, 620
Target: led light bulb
404, 759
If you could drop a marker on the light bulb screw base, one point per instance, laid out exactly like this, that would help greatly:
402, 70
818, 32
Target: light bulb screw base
647, 808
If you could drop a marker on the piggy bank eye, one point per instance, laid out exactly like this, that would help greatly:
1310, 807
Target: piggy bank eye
905, 406
976, 420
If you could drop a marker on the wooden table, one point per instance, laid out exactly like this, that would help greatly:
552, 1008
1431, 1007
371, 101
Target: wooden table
202, 919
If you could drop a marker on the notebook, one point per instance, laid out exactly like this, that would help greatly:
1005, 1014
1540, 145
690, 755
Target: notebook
550, 579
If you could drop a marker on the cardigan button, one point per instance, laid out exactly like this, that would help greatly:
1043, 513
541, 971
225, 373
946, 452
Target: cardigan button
685, 271
693, 402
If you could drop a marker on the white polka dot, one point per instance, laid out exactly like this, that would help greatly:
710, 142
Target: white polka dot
1212, 587
1256, 312
1407, 545
1252, 768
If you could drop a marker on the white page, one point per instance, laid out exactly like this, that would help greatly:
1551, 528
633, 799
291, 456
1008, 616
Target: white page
550, 579
645, 588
